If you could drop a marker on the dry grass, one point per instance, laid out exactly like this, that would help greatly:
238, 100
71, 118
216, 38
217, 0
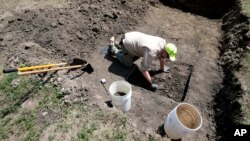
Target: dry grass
244, 78
246, 7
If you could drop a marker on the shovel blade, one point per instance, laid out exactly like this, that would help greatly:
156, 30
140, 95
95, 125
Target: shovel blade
89, 69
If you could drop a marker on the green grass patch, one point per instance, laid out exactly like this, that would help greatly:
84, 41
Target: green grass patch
247, 58
29, 124
246, 7
63, 127
51, 97
86, 134
151, 138
26, 120
33, 135
119, 136
17, 90
244, 78
246, 75
14, 91
26, 124
51, 137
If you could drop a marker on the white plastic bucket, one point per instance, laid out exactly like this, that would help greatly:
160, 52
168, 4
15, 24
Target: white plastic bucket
182, 120
123, 102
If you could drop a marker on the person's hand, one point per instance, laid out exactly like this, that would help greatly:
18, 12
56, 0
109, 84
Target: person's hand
154, 87
166, 69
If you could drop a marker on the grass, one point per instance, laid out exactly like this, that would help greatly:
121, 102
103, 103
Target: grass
244, 78
26, 87
63, 127
25, 120
3, 130
15, 91
11, 93
247, 59
51, 137
51, 97
117, 130
119, 136
151, 138
26, 124
85, 135
94, 130
246, 74
29, 124
246, 7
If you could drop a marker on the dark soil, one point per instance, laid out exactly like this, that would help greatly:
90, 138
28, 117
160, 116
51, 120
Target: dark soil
171, 84
228, 110
67, 33
209, 8
119, 94
50, 35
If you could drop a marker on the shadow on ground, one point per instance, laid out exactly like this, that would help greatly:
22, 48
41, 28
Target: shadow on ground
117, 68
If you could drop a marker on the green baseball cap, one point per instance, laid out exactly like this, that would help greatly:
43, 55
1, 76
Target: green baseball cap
171, 49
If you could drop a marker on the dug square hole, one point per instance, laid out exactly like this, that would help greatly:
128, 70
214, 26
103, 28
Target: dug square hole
171, 85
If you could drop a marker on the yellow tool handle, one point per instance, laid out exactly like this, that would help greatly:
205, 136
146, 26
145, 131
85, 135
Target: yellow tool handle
46, 70
39, 67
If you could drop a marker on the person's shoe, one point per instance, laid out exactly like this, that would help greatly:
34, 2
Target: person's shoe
112, 41
117, 45
111, 44
112, 50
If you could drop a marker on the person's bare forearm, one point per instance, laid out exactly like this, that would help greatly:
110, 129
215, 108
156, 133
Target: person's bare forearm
162, 64
147, 76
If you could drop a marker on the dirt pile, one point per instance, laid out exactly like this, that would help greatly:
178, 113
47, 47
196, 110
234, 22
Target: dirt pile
232, 51
235, 40
64, 33
51, 35
209, 8
77, 31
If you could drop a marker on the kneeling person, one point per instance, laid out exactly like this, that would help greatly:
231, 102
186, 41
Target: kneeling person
137, 44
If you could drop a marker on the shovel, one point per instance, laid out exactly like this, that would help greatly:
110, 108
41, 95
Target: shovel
76, 64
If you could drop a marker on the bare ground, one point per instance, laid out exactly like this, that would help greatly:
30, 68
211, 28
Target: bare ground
82, 29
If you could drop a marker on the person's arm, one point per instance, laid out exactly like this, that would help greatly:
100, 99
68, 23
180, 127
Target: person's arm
146, 75
162, 64
146, 62
153, 86
164, 68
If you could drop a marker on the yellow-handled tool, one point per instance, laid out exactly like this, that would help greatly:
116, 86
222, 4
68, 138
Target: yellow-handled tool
39, 67
27, 69
77, 63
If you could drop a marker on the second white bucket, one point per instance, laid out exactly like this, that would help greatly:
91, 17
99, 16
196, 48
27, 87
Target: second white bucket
182, 120
121, 92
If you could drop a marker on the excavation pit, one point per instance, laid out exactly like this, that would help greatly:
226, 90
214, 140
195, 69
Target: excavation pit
171, 85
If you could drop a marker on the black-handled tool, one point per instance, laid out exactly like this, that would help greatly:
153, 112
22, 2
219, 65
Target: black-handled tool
9, 70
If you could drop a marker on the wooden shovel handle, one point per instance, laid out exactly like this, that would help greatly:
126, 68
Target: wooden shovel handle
40, 67
46, 70
9, 70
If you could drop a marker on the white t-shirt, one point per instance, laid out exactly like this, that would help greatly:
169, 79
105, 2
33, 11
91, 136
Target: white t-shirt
143, 45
